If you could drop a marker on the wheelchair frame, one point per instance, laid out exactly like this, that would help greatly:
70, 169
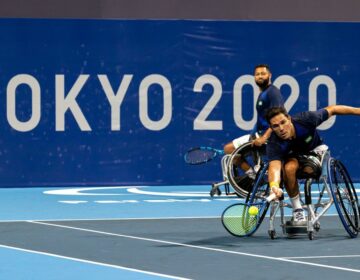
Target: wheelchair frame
330, 185
215, 187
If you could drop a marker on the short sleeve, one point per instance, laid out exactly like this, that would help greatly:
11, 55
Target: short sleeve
312, 118
275, 98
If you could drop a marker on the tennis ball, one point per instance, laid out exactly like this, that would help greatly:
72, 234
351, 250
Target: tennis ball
253, 211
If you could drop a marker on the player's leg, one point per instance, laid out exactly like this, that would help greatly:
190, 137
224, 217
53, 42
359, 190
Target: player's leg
229, 148
291, 167
239, 161
236, 143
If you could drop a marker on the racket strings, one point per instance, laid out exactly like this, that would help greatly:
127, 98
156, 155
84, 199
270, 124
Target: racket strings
199, 155
238, 221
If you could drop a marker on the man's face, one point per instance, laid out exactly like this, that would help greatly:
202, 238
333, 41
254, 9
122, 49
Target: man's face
282, 126
262, 77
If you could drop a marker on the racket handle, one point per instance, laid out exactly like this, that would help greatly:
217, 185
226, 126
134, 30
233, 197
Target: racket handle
271, 197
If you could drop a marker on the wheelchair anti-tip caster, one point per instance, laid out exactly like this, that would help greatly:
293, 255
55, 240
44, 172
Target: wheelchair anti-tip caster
311, 235
272, 234
317, 226
214, 190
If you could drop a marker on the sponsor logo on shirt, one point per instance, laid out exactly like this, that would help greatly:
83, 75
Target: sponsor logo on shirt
308, 139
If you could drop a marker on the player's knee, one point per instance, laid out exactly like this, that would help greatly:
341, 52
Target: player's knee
229, 148
290, 169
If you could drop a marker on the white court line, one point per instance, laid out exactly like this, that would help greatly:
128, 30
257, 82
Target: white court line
156, 193
92, 262
129, 219
200, 247
323, 257
113, 219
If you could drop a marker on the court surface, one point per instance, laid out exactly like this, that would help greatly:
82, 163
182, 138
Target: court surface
155, 233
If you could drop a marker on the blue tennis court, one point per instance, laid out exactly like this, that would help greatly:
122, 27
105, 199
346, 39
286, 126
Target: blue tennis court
153, 233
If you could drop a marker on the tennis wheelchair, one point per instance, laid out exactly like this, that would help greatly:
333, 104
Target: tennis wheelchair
334, 186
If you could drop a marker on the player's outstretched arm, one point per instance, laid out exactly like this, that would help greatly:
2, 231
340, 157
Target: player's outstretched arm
342, 110
275, 177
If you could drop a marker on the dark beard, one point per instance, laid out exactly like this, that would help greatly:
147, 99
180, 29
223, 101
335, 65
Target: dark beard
264, 84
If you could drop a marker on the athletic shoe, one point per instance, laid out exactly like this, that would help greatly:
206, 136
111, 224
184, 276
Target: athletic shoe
298, 216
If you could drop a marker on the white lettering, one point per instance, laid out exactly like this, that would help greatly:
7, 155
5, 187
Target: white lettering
201, 122
35, 102
66, 101
115, 100
144, 104
313, 97
69, 103
238, 98
294, 89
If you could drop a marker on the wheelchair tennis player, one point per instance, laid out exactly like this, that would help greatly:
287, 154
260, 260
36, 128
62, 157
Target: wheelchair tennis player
294, 137
270, 96
236, 168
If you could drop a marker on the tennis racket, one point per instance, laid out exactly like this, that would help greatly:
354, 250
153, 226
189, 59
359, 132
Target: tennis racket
200, 155
239, 222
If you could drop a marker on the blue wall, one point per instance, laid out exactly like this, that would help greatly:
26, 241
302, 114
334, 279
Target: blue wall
57, 125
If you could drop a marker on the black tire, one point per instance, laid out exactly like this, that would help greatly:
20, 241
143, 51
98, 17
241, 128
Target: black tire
272, 234
311, 235
345, 197
249, 155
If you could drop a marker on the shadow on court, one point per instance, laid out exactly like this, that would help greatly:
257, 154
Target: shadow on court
192, 248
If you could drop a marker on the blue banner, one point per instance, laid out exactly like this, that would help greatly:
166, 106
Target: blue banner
118, 102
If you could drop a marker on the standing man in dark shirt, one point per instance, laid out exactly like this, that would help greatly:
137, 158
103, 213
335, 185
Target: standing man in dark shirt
269, 97
292, 138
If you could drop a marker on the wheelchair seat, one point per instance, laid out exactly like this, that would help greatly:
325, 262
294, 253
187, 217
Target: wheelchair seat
311, 164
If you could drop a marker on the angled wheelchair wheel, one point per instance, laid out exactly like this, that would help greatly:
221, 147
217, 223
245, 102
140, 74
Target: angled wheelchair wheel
244, 158
344, 195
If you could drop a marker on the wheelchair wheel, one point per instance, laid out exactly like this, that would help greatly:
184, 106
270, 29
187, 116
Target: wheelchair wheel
246, 157
344, 195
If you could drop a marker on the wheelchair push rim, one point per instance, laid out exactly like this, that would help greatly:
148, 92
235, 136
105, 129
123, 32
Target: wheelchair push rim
345, 197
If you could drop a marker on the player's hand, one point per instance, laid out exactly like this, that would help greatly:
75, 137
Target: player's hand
258, 142
277, 191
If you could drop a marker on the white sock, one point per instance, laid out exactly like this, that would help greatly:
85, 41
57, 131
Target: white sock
296, 203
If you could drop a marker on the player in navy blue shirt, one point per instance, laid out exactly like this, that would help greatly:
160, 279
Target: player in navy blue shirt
306, 136
269, 97
292, 138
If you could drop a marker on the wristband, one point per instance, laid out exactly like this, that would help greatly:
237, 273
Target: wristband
274, 184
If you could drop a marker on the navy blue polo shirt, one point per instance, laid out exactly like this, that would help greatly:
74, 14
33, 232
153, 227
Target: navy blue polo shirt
307, 137
269, 98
